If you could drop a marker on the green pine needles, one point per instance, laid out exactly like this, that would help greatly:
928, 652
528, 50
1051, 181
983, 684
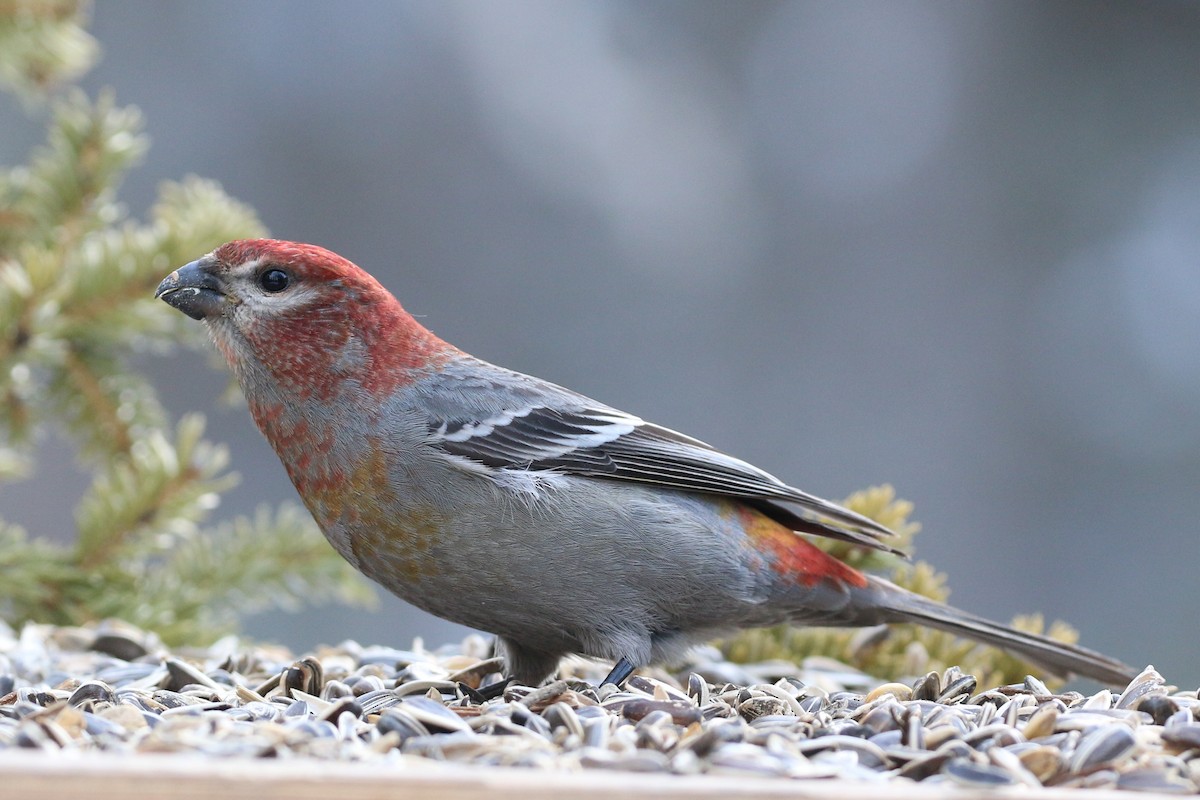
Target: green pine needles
76, 285
43, 44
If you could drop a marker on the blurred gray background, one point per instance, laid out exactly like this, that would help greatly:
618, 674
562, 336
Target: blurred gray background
950, 246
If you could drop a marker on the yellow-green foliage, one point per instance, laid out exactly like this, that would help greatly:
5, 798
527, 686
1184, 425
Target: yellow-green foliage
76, 285
43, 42
901, 650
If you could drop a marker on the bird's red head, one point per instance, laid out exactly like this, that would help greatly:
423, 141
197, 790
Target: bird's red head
309, 261
299, 319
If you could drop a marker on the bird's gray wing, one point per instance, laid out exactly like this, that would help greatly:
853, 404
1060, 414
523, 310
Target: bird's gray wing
522, 423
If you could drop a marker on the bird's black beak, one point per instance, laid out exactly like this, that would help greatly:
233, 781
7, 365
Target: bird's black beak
194, 290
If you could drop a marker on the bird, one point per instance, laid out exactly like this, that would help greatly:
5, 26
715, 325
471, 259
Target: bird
518, 507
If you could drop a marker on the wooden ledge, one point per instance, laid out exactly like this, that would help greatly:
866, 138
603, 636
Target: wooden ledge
106, 776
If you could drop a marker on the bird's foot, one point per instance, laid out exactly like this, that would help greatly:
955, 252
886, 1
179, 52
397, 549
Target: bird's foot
492, 690
620, 672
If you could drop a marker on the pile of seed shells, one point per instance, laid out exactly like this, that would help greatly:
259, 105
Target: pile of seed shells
117, 689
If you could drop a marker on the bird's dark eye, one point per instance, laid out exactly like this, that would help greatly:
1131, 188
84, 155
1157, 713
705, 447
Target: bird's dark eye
274, 280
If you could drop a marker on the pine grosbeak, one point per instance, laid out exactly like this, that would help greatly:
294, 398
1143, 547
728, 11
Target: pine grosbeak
512, 505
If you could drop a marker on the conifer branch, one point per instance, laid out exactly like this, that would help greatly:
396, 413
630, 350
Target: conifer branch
43, 43
158, 488
76, 285
103, 412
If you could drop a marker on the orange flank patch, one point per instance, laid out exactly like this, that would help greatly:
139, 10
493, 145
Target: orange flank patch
793, 556
385, 543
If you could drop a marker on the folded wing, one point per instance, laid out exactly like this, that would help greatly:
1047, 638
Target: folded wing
577, 436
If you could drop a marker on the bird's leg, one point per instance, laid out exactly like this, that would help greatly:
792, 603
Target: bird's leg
493, 689
620, 672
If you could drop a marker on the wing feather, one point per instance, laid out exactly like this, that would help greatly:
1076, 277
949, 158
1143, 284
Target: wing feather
596, 440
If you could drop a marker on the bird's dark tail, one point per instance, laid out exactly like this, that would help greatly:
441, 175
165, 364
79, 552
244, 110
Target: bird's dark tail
901, 605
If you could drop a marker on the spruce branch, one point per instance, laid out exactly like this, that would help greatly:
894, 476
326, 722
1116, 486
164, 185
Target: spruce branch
275, 559
83, 393
73, 181
76, 285
32, 571
76, 280
160, 490
43, 43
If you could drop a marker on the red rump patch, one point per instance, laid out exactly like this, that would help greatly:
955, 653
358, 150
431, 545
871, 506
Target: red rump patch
793, 556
